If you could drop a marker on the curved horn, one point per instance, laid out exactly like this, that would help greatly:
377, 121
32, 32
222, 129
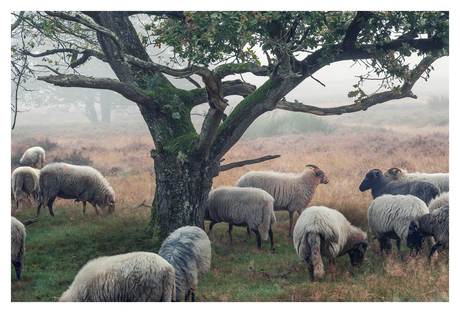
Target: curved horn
311, 165
362, 242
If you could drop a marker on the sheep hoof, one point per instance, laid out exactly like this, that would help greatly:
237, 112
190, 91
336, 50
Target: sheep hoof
273, 250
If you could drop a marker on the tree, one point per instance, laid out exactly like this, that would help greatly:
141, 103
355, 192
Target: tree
214, 46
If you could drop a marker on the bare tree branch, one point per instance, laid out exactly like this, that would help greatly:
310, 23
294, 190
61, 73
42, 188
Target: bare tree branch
128, 91
230, 166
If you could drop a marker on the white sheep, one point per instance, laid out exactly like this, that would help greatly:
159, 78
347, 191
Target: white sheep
245, 207
188, 250
389, 217
25, 181
18, 248
440, 201
321, 231
130, 277
440, 180
434, 224
82, 183
292, 192
33, 157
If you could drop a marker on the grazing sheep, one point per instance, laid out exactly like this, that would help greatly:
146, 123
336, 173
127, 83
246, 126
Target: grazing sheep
130, 277
33, 157
188, 250
380, 184
292, 192
18, 248
434, 224
440, 201
247, 207
321, 231
82, 183
25, 181
389, 217
440, 180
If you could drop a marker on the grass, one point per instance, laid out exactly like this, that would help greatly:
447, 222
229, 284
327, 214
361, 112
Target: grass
58, 247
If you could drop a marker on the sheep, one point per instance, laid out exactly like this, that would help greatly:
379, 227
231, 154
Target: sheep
389, 217
321, 231
33, 157
18, 248
380, 184
188, 250
25, 181
130, 277
246, 207
433, 224
440, 180
292, 192
82, 183
441, 201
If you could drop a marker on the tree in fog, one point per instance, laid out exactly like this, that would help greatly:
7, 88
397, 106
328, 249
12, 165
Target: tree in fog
284, 47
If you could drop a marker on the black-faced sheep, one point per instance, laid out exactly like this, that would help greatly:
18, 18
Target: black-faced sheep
188, 250
434, 224
380, 185
34, 157
18, 248
292, 192
25, 181
389, 217
440, 201
82, 183
321, 231
130, 277
246, 207
440, 180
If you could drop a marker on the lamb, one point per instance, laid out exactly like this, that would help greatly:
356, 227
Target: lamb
389, 217
321, 231
188, 250
380, 184
33, 157
292, 192
441, 201
130, 277
247, 207
25, 181
440, 180
434, 224
18, 248
82, 183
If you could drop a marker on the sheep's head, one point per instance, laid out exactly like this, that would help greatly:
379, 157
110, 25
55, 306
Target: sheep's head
368, 181
109, 200
393, 173
414, 235
357, 253
323, 179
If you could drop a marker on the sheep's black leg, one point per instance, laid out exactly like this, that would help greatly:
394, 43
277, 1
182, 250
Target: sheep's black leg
50, 205
248, 231
193, 296
210, 226
259, 239
270, 233
385, 244
433, 249
291, 222
230, 232
17, 268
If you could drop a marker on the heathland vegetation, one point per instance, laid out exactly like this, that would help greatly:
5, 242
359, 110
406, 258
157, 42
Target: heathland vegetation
344, 147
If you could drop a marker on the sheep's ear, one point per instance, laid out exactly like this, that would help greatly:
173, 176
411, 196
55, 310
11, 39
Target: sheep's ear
319, 173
